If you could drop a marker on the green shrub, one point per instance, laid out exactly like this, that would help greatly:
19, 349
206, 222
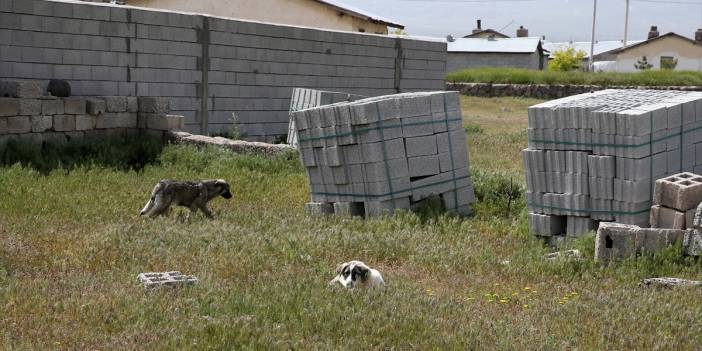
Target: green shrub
566, 60
524, 76
498, 193
124, 153
474, 129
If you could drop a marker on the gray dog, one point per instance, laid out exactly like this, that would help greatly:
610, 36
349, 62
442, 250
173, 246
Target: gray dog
192, 195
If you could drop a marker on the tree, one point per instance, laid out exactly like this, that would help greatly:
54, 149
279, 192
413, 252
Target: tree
566, 60
642, 64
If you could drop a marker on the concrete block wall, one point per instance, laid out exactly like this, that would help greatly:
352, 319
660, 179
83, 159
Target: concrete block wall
29, 116
627, 138
241, 67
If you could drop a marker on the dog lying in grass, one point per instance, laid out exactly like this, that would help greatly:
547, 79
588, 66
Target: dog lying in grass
193, 195
356, 274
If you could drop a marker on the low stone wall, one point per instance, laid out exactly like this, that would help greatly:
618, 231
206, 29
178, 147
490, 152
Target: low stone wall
27, 115
544, 91
237, 146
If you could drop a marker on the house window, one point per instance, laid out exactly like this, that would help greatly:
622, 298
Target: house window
668, 62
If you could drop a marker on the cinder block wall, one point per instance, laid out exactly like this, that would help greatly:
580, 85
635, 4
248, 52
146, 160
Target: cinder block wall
244, 67
457, 61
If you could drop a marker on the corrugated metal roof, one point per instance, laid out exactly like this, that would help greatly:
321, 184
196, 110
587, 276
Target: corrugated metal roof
356, 12
600, 46
508, 45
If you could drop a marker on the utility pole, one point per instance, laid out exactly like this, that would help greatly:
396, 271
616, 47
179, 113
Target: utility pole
592, 39
626, 23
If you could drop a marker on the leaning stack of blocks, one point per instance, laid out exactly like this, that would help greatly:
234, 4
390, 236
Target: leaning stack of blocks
303, 99
594, 157
375, 155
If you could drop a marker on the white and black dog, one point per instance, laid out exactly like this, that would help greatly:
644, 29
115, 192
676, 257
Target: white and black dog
193, 195
356, 274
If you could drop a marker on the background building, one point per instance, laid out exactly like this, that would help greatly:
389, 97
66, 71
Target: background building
521, 52
326, 14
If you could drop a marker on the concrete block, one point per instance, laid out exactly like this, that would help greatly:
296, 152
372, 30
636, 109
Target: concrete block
692, 242
115, 103
601, 166
3, 127
457, 198
417, 126
74, 106
333, 156
423, 166
379, 171
64, 123
682, 191
376, 152
132, 104
85, 122
96, 106
697, 220
577, 226
663, 217
9, 106
656, 239
19, 124
421, 146
29, 107
459, 161
52, 107
616, 241
172, 279
546, 225
159, 121
339, 175
386, 207
41, 123
21, 88
153, 104
116, 120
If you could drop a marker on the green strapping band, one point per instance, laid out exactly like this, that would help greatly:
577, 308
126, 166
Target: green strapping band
589, 210
411, 188
453, 164
366, 130
651, 140
385, 156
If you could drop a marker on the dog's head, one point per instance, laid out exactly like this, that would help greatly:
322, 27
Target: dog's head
223, 188
352, 274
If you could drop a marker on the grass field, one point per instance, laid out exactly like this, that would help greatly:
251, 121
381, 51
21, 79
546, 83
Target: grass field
525, 76
72, 244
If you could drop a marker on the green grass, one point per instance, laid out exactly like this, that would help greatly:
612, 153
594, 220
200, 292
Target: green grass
72, 244
525, 76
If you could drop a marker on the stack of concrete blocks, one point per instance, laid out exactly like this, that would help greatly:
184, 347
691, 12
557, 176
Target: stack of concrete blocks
303, 99
375, 155
595, 157
29, 116
209, 67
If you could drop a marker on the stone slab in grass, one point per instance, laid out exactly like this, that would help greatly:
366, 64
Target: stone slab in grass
669, 282
171, 279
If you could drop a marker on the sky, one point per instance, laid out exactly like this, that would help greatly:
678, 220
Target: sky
558, 20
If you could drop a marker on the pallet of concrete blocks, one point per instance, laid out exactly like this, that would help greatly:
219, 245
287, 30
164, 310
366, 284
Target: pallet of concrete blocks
303, 99
595, 157
375, 155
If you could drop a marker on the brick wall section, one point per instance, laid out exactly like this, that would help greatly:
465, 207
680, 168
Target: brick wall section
245, 67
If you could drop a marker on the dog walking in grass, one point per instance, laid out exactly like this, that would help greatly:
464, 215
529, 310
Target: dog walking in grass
193, 195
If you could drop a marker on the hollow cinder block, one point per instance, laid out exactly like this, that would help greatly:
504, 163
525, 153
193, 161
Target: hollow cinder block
616, 241
546, 225
681, 191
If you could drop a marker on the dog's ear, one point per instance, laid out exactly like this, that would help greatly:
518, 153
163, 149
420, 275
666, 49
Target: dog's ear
340, 268
361, 272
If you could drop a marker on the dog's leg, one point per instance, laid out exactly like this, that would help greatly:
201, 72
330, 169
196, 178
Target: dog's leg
206, 210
